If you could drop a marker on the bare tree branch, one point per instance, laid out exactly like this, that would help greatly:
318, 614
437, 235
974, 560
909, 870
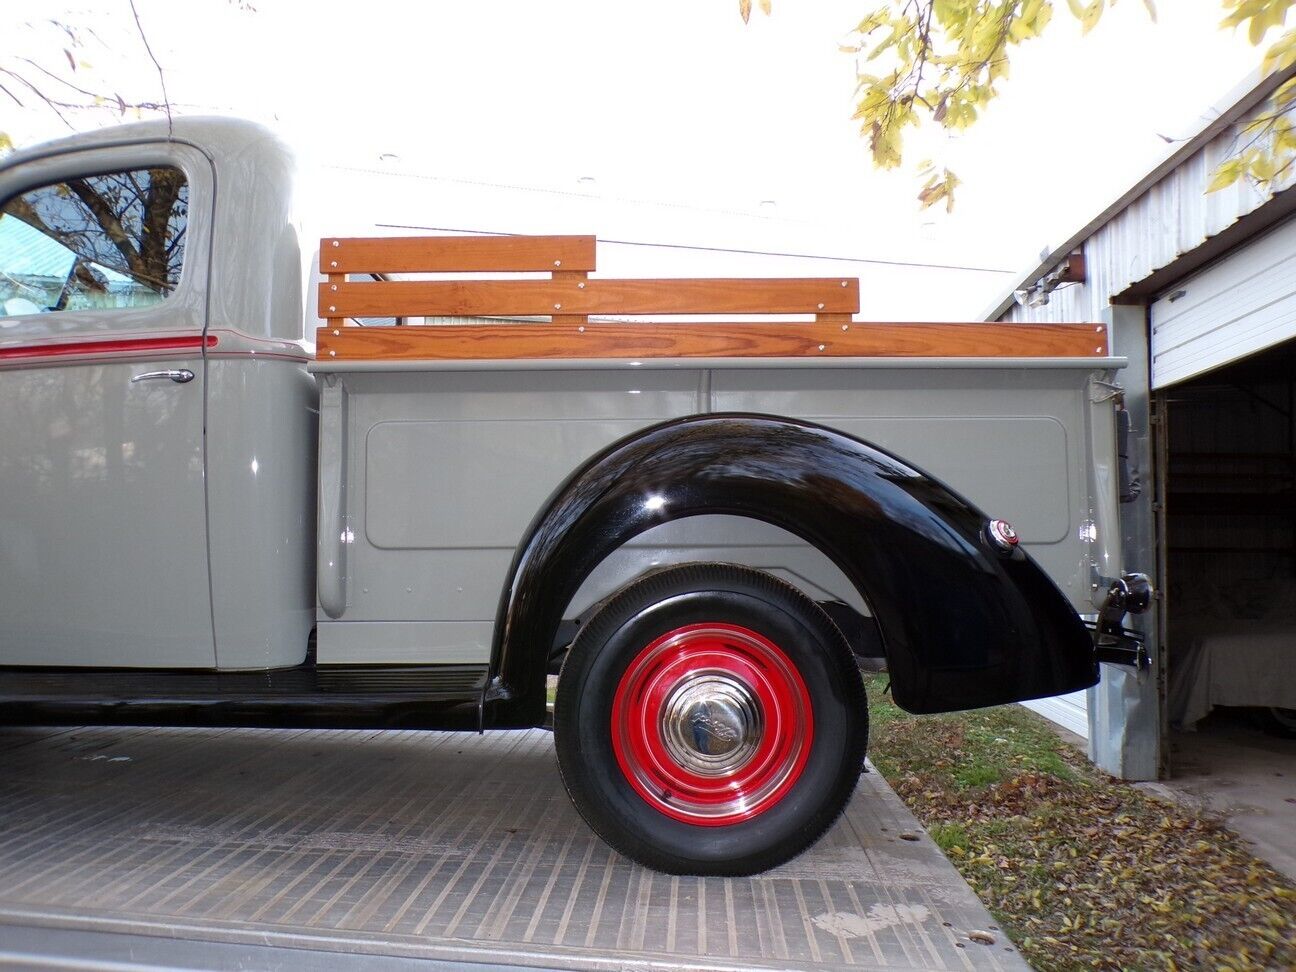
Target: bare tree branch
53, 105
166, 100
63, 81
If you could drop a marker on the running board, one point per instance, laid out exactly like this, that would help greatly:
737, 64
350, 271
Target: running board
386, 697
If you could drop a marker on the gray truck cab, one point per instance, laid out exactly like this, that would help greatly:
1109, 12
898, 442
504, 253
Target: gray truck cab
211, 513
159, 422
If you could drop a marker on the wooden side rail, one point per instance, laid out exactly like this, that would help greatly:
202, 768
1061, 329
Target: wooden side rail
567, 296
709, 340
456, 254
491, 298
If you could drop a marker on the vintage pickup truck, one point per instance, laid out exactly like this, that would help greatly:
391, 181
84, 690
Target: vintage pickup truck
413, 517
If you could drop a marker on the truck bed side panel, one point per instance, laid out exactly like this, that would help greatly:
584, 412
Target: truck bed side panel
446, 467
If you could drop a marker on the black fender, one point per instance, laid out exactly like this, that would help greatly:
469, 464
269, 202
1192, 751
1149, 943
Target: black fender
963, 624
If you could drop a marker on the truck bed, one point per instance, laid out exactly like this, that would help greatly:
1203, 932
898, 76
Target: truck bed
441, 846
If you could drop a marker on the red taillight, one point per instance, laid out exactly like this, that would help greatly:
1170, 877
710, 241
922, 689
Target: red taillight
1002, 535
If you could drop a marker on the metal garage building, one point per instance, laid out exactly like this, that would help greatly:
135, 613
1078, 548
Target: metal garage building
1198, 290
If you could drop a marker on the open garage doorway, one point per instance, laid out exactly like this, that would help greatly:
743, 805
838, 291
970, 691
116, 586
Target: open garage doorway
1228, 528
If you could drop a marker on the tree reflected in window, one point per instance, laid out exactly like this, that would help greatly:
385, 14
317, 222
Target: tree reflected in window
104, 241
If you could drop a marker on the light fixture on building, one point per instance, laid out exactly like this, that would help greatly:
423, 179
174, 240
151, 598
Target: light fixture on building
1069, 271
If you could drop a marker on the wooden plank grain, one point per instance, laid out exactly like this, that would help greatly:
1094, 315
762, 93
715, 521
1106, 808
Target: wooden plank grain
709, 340
326, 309
496, 298
456, 254
575, 277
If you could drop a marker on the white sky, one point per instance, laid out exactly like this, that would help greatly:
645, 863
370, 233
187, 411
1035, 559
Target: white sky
685, 119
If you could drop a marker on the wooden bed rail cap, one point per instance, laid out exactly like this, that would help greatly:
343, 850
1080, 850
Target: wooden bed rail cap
597, 340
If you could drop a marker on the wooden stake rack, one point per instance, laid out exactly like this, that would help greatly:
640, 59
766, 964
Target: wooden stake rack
568, 296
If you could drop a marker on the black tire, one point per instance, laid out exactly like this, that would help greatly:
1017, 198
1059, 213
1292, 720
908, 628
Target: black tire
703, 599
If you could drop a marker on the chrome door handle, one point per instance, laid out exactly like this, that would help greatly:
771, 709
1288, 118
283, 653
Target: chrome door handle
178, 375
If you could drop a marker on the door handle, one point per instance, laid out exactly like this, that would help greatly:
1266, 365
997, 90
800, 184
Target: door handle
178, 375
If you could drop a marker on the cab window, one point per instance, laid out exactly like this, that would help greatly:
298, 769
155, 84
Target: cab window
95, 242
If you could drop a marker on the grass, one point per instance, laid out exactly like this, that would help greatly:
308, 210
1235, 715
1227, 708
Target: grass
1082, 871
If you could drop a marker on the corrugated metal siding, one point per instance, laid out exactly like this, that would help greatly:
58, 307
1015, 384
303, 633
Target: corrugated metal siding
1173, 217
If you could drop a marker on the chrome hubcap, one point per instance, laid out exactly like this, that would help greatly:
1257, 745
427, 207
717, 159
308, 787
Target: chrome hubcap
711, 724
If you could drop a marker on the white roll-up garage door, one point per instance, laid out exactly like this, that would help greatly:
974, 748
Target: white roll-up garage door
1243, 304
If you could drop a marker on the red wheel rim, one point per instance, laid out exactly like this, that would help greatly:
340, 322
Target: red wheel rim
712, 724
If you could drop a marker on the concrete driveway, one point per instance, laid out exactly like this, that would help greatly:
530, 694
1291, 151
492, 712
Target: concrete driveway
214, 847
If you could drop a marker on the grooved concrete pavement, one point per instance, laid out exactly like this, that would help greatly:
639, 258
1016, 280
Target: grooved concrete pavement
442, 847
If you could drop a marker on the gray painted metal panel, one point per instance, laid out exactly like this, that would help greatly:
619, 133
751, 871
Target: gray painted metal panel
452, 517
103, 531
1125, 709
332, 536
475, 483
471, 853
1241, 305
963, 427
261, 504
103, 550
403, 642
444, 469
719, 539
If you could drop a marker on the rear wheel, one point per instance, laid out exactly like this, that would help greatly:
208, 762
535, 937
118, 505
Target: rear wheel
710, 720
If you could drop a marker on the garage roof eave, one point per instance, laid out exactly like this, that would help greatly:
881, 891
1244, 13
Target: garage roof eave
1253, 90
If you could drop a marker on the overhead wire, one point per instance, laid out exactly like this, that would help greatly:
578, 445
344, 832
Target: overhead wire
721, 249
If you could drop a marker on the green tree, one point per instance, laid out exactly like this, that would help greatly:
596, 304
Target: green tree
939, 62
